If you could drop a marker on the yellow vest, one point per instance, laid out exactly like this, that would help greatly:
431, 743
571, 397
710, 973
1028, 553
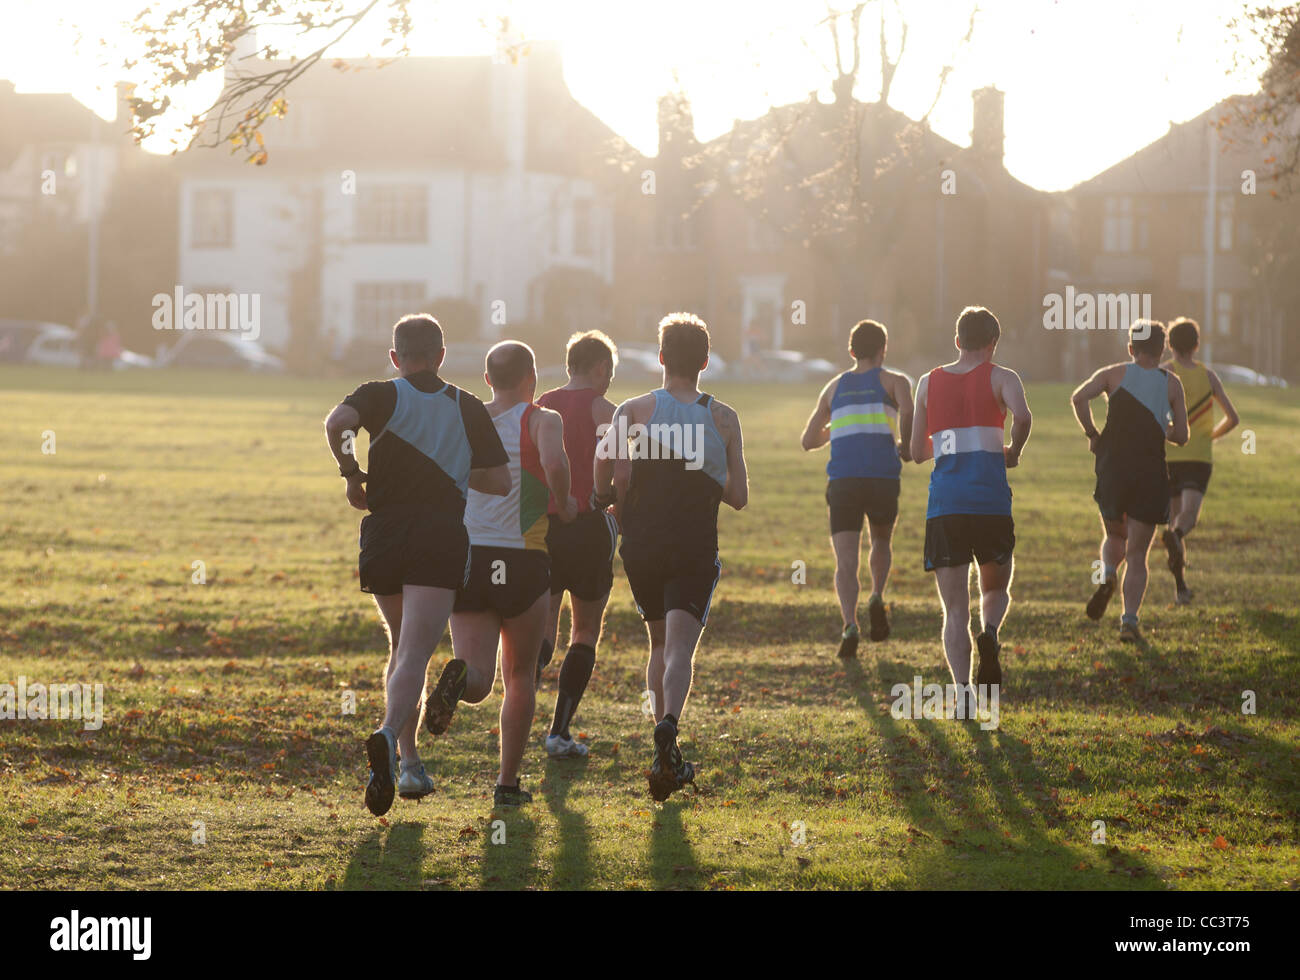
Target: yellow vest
1200, 415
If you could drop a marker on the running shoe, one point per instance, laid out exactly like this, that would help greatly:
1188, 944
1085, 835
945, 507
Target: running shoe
1101, 599
442, 702
849, 642
414, 784
1184, 597
669, 772
989, 671
879, 621
381, 750
510, 796
559, 747
1128, 632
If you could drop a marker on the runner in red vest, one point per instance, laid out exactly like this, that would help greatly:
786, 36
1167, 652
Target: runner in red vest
960, 412
582, 552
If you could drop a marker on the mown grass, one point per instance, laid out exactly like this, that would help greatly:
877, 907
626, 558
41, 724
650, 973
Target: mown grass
223, 701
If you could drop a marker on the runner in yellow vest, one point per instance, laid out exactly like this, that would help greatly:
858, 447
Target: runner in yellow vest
1190, 465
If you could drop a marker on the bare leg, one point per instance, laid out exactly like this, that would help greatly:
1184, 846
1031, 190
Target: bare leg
846, 545
1135, 576
1189, 511
1113, 543
954, 592
654, 670
425, 611
390, 609
995, 593
681, 635
475, 637
521, 637
881, 557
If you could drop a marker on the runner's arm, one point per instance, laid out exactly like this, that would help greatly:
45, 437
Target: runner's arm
1230, 417
817, 432
921, 447
1022, 420
494, 480
608, 454
1177, 430
345, 420
735, 493
1082, 398
489, 464
555, 461
902, 393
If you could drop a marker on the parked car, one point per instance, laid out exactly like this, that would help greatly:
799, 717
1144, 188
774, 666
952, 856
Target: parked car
217, 350
1236, 374
785, 367
54, 346
642, 361
16, 337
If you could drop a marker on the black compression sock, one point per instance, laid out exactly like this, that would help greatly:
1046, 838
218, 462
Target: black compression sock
544, 656
574, 675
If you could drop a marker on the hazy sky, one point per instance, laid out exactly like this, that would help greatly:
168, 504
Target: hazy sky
1087, 82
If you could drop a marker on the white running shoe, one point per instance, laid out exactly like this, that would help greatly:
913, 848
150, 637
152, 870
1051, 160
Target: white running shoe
559, 747
414, 783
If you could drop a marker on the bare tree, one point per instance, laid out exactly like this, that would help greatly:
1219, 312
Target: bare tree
182, 44
1271, 115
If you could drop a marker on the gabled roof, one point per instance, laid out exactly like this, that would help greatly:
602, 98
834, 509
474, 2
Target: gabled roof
421, 112
42, 117
1178, 162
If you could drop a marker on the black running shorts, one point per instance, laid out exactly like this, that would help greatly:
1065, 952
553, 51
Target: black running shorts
953, 540
506, 581
1136, 491
1189, 476
419, 548
850, 498
582, 555
671, 580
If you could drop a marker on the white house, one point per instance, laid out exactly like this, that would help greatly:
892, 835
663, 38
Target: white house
390, 187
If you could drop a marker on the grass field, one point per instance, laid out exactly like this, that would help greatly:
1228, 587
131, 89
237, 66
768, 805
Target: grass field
223, 701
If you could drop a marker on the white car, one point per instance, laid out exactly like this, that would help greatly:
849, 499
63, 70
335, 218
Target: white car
642, 360
54, 346
785, 367
216, 349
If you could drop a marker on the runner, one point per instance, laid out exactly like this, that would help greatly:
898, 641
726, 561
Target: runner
1190, 465
1132, 490
686, 456
582, 552
429, 441
961, 409
507, 598
856, 413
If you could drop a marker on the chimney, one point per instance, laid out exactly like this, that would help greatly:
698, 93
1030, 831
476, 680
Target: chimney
986, 132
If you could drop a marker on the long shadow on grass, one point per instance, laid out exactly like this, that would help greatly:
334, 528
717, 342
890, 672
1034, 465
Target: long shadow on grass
510, 850
1015, 779
573, 862
387, 860
672, 862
